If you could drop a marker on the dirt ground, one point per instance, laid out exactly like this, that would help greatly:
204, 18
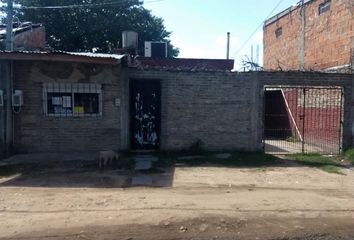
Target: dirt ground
281, 202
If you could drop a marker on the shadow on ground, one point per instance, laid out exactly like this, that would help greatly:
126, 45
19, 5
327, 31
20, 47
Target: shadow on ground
83, 172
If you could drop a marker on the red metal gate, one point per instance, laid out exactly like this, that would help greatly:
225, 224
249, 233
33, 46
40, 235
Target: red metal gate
303, 119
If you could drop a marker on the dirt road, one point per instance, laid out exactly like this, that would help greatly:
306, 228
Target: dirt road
283, 202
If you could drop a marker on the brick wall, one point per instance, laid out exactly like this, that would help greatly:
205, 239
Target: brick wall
210, 106
31, 40
329, 37
224, 110
35, 132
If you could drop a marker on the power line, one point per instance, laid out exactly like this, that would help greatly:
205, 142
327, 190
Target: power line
91, 5
255, 31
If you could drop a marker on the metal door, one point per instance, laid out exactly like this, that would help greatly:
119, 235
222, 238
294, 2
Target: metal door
145, 109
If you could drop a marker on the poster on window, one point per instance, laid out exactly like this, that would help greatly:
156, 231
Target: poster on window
57, 101
66, 101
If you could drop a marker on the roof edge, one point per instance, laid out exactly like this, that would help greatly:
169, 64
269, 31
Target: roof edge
60, 57
284, 13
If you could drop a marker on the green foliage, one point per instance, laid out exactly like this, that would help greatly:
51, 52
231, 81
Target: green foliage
349, 155
85, 28
317, 160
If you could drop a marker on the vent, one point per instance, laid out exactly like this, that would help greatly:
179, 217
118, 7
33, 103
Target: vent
156, 49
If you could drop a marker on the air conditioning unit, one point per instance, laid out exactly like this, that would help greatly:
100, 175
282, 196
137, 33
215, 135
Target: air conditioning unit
1, 98
156, 49
17, 98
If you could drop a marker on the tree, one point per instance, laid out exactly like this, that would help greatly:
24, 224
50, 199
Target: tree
248, 64
89, 24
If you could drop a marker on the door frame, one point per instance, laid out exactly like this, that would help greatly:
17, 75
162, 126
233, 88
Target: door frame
131, 109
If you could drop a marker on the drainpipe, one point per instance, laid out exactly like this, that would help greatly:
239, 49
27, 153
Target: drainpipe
302, 37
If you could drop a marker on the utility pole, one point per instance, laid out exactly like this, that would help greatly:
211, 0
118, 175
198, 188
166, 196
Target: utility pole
9, 26
228, 46
302, 37
8, 80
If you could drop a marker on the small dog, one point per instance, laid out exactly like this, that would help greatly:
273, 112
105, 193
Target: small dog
105, 158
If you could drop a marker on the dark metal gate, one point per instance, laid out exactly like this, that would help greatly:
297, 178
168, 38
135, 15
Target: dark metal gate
145, 112
303, 119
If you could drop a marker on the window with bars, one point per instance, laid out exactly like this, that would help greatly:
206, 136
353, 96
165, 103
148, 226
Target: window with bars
79, 99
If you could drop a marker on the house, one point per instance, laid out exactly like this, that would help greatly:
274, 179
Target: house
27, 36
91, 102
315, 35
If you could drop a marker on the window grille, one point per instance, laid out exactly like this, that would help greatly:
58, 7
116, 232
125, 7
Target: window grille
72, 100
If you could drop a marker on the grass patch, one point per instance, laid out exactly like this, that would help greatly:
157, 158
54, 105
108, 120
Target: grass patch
349, 155
317, 160
332, 169
237, 159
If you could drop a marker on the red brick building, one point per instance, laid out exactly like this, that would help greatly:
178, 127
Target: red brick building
315, 35
27, 36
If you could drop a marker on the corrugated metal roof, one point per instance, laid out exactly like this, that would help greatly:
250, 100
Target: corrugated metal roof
88, 57
18, 28
95, 55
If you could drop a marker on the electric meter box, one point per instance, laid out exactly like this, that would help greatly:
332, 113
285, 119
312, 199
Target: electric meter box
17, 98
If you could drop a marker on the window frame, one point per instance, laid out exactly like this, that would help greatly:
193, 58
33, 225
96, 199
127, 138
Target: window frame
324, 7
72, 88
278, 32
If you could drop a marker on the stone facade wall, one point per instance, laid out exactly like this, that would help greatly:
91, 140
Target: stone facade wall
329, 37
35, 132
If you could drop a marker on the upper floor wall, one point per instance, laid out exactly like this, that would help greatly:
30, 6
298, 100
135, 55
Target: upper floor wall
328, 36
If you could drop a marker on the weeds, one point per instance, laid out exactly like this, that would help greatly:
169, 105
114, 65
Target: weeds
349, 155
317, 160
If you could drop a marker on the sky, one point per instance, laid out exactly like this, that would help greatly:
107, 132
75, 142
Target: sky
199, 27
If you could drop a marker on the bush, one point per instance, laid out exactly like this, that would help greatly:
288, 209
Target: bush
349, 155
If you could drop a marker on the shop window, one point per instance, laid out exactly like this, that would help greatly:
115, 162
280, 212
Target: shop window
324, 7
72, 99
